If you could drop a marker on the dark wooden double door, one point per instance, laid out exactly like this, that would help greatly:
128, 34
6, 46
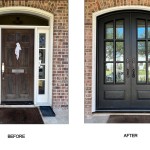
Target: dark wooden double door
123, 61
17, 74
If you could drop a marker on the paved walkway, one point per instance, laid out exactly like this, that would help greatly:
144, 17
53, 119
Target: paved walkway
97, 118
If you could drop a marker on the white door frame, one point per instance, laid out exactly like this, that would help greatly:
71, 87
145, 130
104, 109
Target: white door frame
50, 18
94, 30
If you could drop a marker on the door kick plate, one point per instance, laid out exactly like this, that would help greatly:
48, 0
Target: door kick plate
17, 70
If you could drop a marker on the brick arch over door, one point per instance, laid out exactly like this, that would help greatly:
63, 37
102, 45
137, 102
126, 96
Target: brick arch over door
92, 7
59, 8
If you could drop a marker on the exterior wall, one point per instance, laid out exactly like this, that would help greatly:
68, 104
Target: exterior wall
59, 8
92, 6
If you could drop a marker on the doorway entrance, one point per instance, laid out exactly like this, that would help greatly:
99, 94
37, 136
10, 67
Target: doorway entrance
17, 65
39, 23
123, 61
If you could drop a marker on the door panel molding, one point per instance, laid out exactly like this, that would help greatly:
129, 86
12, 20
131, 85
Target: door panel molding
114, 95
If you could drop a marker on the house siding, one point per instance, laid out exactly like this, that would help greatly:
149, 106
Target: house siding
59, 8
92, 6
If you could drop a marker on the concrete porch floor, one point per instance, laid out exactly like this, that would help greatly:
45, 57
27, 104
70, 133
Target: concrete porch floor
103, 117
62, 117
98, 118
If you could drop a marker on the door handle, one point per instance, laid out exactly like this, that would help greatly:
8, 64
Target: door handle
133, 68
3, 70
127, 71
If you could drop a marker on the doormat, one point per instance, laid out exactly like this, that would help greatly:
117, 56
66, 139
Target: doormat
47, 111
129, 119
20, 116
17, 102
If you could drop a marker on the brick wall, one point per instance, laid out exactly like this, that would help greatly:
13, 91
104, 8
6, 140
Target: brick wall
60, 49
92, 6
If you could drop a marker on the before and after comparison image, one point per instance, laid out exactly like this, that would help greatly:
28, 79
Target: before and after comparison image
74, 72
